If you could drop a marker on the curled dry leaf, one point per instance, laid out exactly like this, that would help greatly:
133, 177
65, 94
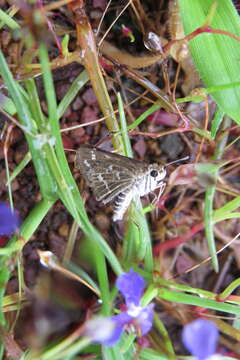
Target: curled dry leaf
183, 175
191, 173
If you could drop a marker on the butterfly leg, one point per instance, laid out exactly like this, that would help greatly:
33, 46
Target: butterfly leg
157, 197
162, 188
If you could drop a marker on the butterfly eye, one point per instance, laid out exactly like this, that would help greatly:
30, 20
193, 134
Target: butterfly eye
154, 173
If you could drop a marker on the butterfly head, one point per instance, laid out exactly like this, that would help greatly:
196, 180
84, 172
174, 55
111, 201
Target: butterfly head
156, 174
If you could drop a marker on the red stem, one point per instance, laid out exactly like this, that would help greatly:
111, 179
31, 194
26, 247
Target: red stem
173, 243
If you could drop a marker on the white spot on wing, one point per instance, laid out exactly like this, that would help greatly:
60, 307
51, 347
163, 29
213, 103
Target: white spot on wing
86, 163
93, 155
102, 180
117, 174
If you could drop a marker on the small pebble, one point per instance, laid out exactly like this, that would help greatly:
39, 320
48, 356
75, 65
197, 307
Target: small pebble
63, 230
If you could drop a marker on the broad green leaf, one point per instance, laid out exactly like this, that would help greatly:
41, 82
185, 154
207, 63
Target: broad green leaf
216, 56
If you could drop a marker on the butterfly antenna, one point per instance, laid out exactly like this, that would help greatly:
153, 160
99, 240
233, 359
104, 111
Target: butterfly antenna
176, 161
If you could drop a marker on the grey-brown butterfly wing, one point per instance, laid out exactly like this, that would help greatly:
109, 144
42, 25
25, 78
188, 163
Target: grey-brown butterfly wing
91, 153
108, 174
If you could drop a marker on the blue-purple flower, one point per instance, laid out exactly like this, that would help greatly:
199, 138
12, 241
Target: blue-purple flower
9, 220
131, 285
200, 338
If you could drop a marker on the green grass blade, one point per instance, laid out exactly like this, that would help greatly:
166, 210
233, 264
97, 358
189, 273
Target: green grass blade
138, 239
7, 20
27, 158
226, 209
209, 198
7, 104
157, 105
209, 224
150, 354
216, 122
35, 143
77, 84
124, 130
229, 289
35, 106
197, 301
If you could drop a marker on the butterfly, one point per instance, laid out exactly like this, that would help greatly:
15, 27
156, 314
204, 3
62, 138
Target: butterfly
116, 178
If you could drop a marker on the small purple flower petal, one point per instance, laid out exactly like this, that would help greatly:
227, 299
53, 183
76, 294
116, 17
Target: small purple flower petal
9, 221
131, 285
120, 320
200, 338
145, 319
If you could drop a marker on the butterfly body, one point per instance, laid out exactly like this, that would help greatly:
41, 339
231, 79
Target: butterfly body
117, 178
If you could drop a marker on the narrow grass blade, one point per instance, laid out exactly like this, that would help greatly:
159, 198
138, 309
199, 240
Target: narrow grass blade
75, 87
7, 20
138, 239
35, 143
